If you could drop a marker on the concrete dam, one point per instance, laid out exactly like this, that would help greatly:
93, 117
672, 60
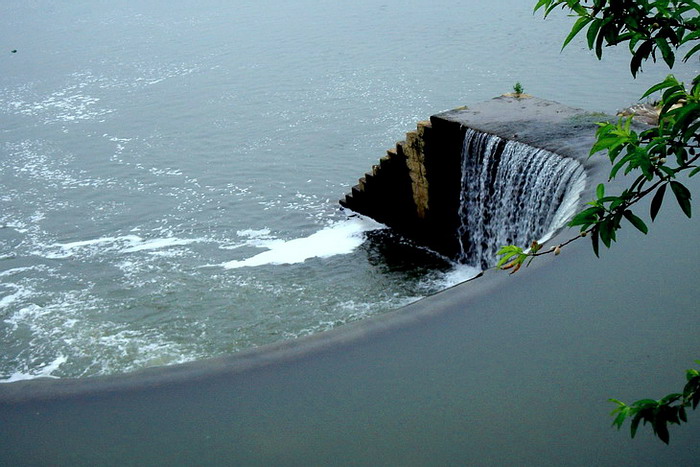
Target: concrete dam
511, 170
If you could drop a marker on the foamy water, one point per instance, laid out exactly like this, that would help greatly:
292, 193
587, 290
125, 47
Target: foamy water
39, 371
71, 323
340, 238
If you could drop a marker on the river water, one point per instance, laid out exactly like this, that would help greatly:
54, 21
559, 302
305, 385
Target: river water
170, 170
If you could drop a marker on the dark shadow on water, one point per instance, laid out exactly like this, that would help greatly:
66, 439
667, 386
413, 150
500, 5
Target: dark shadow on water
390, 252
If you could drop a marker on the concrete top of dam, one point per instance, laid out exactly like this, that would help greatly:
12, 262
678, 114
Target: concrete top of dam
541, 123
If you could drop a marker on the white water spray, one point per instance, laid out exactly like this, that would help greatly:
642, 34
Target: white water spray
512, 194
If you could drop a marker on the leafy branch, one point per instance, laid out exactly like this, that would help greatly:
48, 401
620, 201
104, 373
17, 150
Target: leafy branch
659, 154
661, 413
651, 28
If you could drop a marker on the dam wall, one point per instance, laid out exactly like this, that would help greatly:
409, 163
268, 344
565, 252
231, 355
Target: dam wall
418, 187
414, 188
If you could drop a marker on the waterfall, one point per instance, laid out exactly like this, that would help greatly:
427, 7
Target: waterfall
512, 193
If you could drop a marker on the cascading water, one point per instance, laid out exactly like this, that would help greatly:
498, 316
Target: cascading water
512, 194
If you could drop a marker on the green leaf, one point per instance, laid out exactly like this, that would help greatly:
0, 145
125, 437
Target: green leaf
666, 51
671, 99
668, 171
628, 123
657, 201
636, 221
684, 116
601, 37
691, 52
677, 87
575, 5
669, 81
682, 196
586, 217
606, 234
635, 424
646, 403
671, 414
540, 4
619, 405
600, 191
661, 430
593, 32
607, 141
578, 25
507, 253
695, 34
670, 398
619, 164
691, 132
620, 419
632, 22
641, 54
594, 242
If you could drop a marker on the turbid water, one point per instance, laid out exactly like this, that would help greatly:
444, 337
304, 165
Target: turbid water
170, 171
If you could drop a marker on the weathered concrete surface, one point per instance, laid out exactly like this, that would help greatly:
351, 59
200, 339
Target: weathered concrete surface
432, 159
414, 149
567, 131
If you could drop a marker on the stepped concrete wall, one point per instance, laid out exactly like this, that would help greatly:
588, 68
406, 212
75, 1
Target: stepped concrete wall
416, 187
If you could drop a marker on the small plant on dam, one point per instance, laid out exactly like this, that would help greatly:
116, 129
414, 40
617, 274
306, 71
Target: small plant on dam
518, 89
656, 157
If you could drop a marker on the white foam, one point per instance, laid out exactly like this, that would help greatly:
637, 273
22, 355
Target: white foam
64, 328
59, 107
158, 243
255, 234
260, 238
19, 293
97, 241
13, 271
123, 244
18, 226
41, 372
338, 239
28, 315
66, 250
458, 274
